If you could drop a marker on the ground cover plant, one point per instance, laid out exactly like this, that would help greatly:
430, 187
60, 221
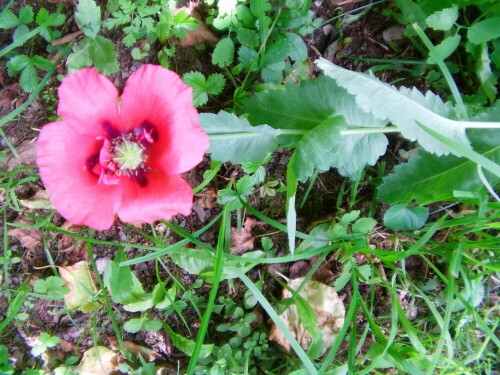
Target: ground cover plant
249, 187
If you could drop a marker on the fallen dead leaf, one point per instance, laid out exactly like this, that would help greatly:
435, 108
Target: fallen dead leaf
329, 311
39, 201
98, 360
27, 154
30, 238
200, 35
146, 353
206, 198
81, 287
242, 241
67, 38
68, 244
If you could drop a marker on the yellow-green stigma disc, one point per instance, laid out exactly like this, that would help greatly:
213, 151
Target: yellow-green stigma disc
128, 155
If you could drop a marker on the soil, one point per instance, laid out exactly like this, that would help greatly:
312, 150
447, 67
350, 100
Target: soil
362, 38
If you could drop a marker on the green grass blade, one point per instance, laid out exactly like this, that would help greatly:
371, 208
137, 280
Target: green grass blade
465, 151
219, 259
276, 319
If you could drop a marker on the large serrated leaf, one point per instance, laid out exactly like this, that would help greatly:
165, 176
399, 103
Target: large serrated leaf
300, 108
403, 107
234, 139
427, 178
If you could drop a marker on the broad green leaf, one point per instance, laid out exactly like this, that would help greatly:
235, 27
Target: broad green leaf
88, 17
224, 53
18, 63
444, 49
248, 57
20, 32
52, 285
247, 37
350, 217
234, 139
201, 262
8, 20
316, 149
299, 108
443, 19
364, 225
26, 15
403, 107
486, 76
402, 217
427, 178
134, 325
98, 52
297, 49
29, 78
185, 345
42, 63
484, 30
411, 11
215, 83
121, 282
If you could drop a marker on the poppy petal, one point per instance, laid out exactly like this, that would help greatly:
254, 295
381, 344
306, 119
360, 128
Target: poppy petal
87, 101
156, 95
162, 197
63, 157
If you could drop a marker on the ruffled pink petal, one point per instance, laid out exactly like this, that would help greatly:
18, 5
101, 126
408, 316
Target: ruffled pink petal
87, 100
159, 96
74, 190
162, 197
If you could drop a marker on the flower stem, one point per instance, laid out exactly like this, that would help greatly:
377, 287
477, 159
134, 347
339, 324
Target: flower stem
480, 125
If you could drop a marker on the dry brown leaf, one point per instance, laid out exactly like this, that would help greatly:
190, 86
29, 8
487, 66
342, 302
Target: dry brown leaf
67, 38
27, 154
98, 360
206, 198
328, 308
39, 201
30, 238
146, 353
242, 241
81, 287
200, 35
68, 244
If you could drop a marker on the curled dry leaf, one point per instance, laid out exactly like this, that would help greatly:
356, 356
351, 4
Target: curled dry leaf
98, 360
200, 35
328, 308
241, 241
26, 154
39, 201
30, 238
81, 287
146, 353
206, 198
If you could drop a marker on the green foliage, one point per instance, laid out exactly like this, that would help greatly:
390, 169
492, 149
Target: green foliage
202, 86
142, 324
427, 178
372, 95
88, 17
26, 67
403, 217
98, 52
45, 341
234, 139
53, 286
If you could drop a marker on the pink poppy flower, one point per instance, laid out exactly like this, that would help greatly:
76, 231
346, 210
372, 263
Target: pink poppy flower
121, 155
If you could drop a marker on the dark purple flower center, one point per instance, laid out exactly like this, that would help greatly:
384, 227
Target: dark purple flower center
123, 154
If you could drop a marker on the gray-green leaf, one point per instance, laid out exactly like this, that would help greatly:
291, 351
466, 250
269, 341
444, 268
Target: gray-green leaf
234, 139
88, 17
403, 217
403, 107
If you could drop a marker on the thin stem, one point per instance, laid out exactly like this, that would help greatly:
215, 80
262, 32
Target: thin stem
445, 71
23, 40
480, 125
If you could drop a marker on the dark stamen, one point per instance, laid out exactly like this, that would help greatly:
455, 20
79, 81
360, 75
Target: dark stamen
111, 132
140, 177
